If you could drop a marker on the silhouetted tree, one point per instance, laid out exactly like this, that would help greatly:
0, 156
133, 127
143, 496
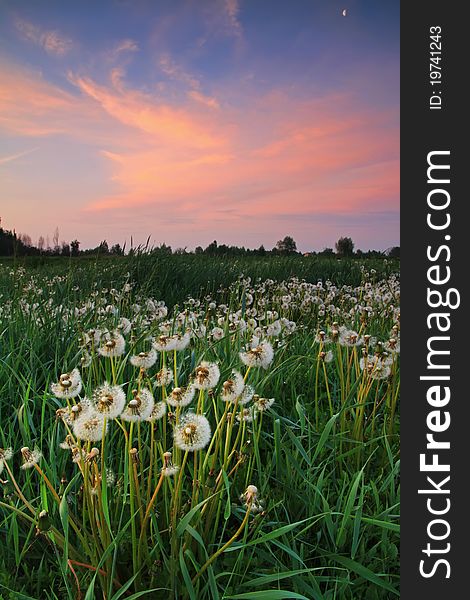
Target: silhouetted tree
326, 252
287, 245
211, 248
345, 246
116, 250
75, 248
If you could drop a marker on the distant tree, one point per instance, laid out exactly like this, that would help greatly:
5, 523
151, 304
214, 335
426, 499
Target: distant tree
287, 245
41, 243
345, 246
261, 251
180, 250
25, 239
211, 248
55, 240
394, 252
116, 250
75, 248
65, 249
199, 250
326, 252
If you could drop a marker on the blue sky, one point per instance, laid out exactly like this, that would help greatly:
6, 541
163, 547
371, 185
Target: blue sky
241, 121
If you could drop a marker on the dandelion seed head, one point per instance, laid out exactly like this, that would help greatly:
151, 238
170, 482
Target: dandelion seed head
181, 396
5, 454
206, 376
30, 457
112, 344
90, 427
140, 407
233, 387
164, 377
68, 386
260, 355
144, 360
109, 400
262, 404
158, 412
192, 433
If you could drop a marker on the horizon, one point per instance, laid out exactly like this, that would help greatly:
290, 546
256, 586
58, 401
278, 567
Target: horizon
218, 120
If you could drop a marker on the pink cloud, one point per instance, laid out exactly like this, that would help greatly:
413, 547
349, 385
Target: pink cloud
191, 169
52, 41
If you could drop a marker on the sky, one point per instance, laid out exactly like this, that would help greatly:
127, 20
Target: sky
240, 121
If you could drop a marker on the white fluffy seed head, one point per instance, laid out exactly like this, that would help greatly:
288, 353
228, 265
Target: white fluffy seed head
192, 433
206, 376
233, 387
140, 407
260, 355
68, 386
91, 427
109, 400
181, 396
144, 360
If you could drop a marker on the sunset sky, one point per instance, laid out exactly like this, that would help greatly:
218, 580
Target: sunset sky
236, 120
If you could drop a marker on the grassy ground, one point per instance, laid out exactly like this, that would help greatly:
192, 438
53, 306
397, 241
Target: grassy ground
324, 457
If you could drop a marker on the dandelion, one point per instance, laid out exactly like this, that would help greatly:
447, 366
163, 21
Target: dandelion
181, 341
158, 412
393, 346
85, 359
164, 377
78, 455
375, 367
206, 376
5, 454
169, 468
326, 357
246, 415
68, 443
68, 386
274, 329
112, 344
109, 400
251, 500
262, 404
124, 325
258, 355
247, 395
233, 387
70, 415
181, 396
90, 427
193, 432
144, 360
30, 457
94, 453
217, 333
140, 407
164, 343
348, 337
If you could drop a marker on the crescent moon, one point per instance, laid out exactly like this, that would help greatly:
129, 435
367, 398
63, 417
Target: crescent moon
344, 12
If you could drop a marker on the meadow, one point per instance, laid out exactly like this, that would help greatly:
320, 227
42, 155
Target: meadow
199, 428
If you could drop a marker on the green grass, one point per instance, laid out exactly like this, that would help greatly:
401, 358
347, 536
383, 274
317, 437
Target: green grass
325, 457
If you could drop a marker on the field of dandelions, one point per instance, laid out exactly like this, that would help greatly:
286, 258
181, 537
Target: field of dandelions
195, 429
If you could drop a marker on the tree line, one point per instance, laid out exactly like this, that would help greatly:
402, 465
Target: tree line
13, 244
